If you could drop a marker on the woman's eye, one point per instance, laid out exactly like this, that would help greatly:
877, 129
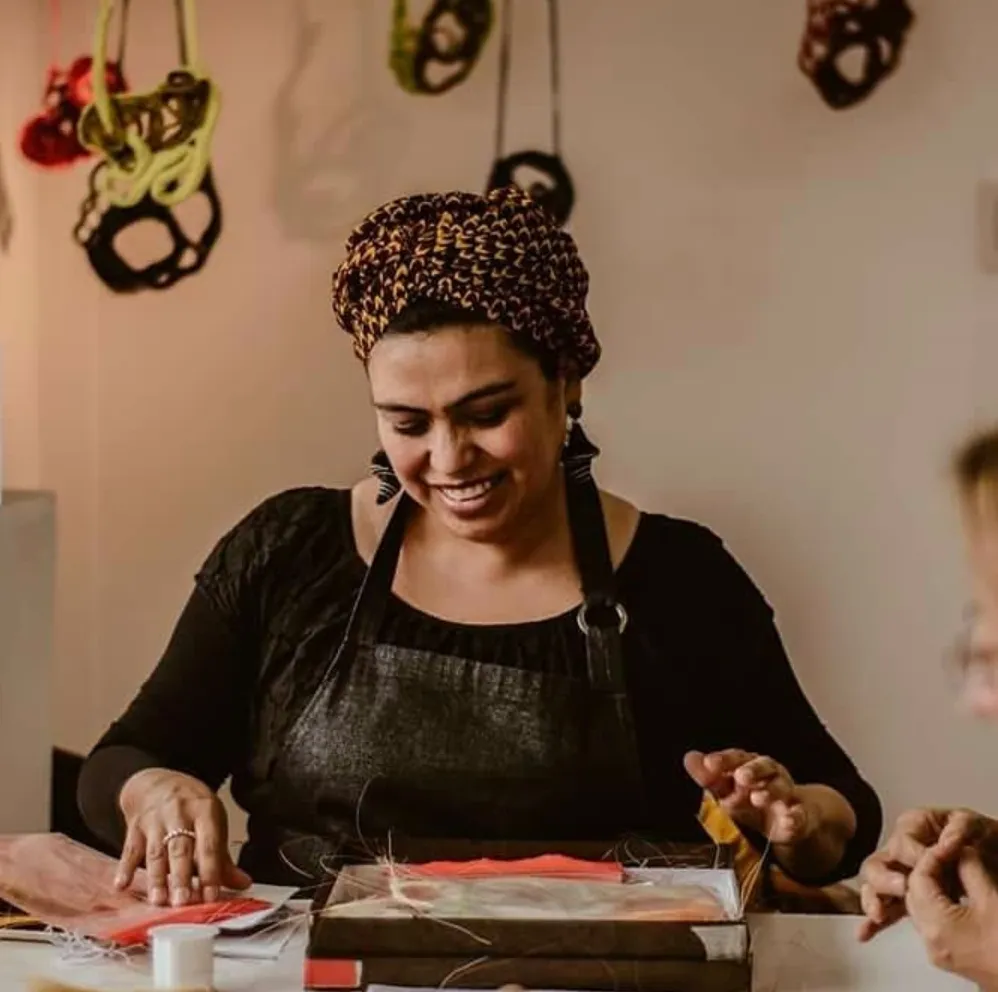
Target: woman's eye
411, 428
489, 418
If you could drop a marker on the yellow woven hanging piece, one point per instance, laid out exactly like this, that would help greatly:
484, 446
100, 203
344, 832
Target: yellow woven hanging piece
451, 36
156, 143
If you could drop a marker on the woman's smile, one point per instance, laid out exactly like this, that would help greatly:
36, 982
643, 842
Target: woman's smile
470, 497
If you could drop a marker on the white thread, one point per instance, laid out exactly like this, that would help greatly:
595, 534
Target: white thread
183, 956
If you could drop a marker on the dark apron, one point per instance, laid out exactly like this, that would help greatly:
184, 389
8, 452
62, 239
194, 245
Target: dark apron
404, 742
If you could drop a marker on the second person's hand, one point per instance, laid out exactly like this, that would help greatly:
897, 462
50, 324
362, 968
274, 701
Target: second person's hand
884, 875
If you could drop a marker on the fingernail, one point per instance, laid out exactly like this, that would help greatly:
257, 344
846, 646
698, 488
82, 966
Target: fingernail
210, 893
180, 896
158, 895
119, 881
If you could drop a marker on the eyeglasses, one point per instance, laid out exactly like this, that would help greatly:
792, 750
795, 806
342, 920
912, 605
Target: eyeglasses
972, 664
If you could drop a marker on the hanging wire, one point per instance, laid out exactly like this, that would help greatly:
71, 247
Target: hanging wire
505, 56
555, 61
122, 33
178, 6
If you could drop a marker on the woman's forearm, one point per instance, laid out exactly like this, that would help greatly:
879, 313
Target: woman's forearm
102, 778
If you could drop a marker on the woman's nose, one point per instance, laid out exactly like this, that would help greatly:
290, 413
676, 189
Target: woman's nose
450, 454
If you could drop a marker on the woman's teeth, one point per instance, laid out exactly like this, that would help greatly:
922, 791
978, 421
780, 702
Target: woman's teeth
468, 492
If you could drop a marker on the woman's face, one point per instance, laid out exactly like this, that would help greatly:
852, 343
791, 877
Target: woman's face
981, 655
470, 424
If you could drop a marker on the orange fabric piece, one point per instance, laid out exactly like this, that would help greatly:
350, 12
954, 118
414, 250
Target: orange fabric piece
544, 865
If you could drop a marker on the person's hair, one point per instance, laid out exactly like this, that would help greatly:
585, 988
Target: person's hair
426, 316
976, 470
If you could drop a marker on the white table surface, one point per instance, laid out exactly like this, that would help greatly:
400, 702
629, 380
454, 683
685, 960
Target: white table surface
792, 954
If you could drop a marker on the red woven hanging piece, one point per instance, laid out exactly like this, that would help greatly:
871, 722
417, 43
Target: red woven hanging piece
80, 83
49, 139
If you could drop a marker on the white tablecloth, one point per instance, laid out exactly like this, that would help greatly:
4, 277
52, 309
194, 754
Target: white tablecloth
792, 954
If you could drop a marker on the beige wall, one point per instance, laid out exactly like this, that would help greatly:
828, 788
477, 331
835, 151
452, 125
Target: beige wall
21, 82
795, 327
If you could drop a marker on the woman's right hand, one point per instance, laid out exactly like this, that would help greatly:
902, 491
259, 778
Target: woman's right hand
158, 804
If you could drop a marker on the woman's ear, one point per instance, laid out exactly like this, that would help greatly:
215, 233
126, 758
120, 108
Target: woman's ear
573, 397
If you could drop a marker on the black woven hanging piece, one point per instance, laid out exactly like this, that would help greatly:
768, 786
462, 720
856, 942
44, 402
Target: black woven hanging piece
100, 224
838, 31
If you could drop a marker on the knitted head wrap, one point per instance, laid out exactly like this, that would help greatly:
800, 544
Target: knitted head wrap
499, 254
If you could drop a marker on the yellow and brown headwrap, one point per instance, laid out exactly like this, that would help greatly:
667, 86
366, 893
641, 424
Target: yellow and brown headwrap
499, 254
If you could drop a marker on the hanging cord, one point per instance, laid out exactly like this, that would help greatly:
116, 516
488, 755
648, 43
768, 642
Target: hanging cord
504, 54
55, 32
554, 61
102, 101
185, 41
122, 34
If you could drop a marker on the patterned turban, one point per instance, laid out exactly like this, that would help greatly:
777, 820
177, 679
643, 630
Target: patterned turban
499, 254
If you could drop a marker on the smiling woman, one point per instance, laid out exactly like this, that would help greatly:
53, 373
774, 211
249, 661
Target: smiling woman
478, 642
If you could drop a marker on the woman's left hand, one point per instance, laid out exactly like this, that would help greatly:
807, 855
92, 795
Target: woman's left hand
960, 934
755, 791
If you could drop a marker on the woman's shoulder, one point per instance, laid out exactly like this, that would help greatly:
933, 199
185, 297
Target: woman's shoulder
284, 525
644, 533
285, 514
689, 558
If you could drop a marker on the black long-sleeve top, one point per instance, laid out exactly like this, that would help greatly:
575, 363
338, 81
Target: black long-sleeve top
705, 666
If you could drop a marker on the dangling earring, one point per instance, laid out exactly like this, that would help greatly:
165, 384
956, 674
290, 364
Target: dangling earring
388, 482
578, 452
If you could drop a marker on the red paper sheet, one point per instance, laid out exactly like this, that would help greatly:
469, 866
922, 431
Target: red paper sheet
71, 887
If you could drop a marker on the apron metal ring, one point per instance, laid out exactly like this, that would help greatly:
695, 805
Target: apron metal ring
580, 618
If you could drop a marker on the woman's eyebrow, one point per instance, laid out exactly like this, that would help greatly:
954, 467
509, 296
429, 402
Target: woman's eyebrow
483, 392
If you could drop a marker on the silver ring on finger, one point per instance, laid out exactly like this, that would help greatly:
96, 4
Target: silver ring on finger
179, 832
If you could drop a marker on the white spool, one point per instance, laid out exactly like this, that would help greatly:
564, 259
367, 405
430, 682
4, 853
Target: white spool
183, 956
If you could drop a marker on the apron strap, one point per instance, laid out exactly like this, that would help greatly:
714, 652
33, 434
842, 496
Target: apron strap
369, 607
601, 617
